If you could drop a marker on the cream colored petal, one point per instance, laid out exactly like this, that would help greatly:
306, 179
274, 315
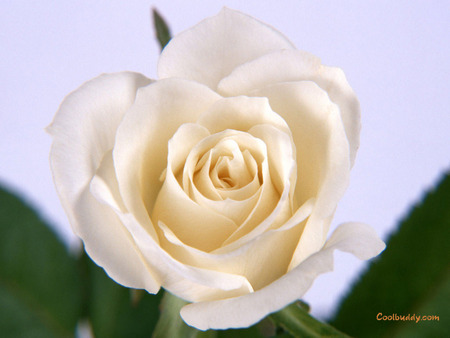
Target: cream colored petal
334, 82
280, 218
248, 309
213, 149
273, 208
260, 261
281, 154
223, 146
190, 283
269, 208
278, 66
181, 144
240, 113
83, 130
210, 50
104, 186
110, 245
236, 211
323, 162
140, 152
204, 181
196, 225
295, 65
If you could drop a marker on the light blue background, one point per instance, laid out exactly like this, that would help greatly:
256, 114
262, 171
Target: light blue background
396, 55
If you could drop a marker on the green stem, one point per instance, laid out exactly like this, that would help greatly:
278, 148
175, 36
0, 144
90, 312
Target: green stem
295, 320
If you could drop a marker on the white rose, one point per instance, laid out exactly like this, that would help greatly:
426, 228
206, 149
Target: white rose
217, 182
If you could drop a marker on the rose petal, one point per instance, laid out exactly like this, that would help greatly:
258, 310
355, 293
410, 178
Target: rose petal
110, 245
192, 283
281, 154
83, 131
240, 113
191, 222
278, 66
84, 128
140, 152
104, 186
295, 65
181, 144
210, 50
260, 261
208, 183
105, 189
358, 239
220, 144
334, 82
323, 163
268, 213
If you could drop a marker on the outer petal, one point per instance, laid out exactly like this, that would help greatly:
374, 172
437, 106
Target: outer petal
187, 282
241, 113
83, 130
191, 283
260, 259
323, 162
295, 65
358, 239
212, 49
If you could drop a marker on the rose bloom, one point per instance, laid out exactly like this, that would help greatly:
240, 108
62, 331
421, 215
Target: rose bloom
219, 180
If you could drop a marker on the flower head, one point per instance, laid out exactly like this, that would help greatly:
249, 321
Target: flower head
219, 180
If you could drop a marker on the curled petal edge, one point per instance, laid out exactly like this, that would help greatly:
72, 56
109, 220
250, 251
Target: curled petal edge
158, 267
356, 238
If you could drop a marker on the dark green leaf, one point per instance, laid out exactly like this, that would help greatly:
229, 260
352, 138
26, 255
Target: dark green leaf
296, 320
170, 323
410, 278
116, 311
161, 28
39, 284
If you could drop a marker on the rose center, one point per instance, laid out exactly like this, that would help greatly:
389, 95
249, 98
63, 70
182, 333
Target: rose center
227, 167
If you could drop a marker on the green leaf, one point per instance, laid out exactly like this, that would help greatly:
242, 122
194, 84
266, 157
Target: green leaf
114, 310
412, 277
161, 28
39, 285
170, 323
295, 320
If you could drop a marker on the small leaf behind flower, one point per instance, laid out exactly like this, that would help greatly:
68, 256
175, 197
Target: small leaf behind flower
39, 284
161, 28
412, 277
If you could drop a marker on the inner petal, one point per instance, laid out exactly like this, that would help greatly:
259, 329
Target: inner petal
223, 163
220, 175
230, 171
250, 188
223, 173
